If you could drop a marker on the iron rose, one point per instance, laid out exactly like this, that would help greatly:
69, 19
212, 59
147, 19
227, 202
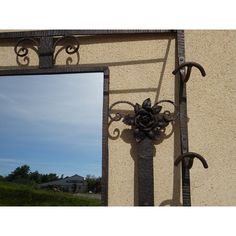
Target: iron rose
147, 120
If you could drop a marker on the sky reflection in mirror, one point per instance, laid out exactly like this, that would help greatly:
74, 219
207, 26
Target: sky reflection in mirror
53, 123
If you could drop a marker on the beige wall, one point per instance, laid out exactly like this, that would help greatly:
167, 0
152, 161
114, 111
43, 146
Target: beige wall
212, 112
140, 67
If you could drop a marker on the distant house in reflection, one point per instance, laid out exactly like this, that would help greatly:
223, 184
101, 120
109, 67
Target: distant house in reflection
73, 184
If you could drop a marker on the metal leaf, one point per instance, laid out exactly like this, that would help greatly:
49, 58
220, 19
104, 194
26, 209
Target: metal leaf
129, 120
156, 109
147, 104
137, 107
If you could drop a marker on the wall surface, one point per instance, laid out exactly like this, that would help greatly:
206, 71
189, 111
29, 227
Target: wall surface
212, 112
141, 67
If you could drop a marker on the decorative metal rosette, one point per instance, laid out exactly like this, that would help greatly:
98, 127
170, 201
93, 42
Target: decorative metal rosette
147, 120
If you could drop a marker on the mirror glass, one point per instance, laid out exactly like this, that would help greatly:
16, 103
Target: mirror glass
51, 139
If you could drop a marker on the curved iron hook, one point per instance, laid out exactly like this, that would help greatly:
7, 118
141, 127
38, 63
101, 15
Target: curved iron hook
189, 66
188, 159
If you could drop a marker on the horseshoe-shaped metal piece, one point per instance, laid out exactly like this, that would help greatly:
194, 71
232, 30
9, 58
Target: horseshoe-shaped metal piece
188, 159
189, 66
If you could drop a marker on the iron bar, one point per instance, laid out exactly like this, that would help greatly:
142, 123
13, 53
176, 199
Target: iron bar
48, 33
186, 157
145, 172
46, 52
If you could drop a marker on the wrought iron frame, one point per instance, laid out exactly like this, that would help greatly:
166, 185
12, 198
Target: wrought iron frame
46, 41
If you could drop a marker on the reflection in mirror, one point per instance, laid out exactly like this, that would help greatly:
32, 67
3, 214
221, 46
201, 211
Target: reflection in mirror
51, 139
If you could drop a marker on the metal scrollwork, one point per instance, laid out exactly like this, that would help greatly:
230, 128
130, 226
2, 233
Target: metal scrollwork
118, 116
22, 49
71, 47
68, 43
147, 120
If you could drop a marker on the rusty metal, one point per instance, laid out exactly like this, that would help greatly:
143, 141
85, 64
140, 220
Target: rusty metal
148, 124
186, 157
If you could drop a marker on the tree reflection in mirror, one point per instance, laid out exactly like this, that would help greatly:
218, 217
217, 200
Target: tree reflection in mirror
51, 139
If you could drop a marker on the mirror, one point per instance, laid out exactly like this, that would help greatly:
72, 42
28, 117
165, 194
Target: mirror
51, 139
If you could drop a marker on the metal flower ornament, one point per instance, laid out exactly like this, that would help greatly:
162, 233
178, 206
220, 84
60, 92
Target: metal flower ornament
147, 120
148, 123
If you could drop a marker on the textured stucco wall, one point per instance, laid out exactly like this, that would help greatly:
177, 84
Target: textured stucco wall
140, 67
212, 112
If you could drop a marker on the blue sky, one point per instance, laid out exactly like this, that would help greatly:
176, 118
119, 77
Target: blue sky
53, 123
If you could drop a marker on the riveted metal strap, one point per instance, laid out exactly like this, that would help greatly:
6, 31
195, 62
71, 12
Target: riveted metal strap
186, 193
